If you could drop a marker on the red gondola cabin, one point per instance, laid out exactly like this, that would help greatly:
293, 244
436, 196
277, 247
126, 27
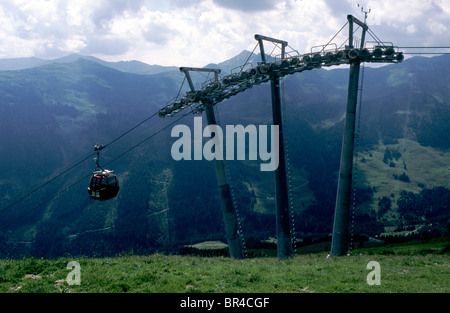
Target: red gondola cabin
103, 185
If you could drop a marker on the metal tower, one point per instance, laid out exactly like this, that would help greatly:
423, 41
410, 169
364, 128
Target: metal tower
339, 244
284, 241
229, 215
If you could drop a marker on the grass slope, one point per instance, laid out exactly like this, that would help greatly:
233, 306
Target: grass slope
425, 166
405, 268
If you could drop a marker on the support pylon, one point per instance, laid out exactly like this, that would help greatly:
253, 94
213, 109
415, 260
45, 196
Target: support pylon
339, 243
284, 241
226, 201
283, 226
229, 214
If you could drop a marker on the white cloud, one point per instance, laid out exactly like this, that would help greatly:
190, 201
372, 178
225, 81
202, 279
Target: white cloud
246, 6
195, 33
436, 27
411, 29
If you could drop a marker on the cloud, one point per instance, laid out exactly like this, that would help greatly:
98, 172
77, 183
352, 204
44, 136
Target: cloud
55, 28
184, 3
105, 10
105, 46
248, 5
341, 8
437, 27
158, 27
411, 29
159, 34
195, 33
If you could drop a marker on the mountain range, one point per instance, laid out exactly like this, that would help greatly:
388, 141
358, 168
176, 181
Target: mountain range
135, 67
53, 112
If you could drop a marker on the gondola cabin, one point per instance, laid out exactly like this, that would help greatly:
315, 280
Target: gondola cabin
103, 185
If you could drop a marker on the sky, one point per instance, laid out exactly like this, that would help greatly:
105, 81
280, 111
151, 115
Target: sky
198, 32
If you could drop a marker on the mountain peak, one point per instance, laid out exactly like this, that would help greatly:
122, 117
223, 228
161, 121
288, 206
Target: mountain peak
234, 64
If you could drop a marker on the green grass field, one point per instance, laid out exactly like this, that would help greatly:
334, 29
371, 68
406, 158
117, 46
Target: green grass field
419, 267
423, 165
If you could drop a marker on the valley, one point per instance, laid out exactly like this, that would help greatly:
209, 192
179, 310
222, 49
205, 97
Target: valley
53, 114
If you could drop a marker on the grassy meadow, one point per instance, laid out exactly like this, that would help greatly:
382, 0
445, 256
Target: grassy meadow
424, 166
416, 267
